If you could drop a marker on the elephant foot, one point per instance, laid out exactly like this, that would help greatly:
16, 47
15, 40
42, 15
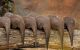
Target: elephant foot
21, 45
36, 44
16, 49
72, 47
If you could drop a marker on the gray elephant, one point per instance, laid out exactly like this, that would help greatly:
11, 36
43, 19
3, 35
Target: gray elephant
43, 23
69, 24
5, 23
57, 24
17, 22
30, 23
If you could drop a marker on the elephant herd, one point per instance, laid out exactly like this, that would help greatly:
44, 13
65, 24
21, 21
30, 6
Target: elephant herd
43, 23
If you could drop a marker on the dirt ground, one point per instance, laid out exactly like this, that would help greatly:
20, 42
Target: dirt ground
29, 39
37, 49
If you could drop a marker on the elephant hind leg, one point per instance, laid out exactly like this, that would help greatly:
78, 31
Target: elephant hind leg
7, 38
7, 29
35, 35
71, 30
61, 34
22, 33
47, 36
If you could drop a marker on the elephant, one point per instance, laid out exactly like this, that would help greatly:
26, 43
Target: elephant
57, 24
69, 24
17, 22
5, 23
43, 24
30, 23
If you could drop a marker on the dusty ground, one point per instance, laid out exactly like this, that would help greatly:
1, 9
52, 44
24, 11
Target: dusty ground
37, 49
48, 49
29, 39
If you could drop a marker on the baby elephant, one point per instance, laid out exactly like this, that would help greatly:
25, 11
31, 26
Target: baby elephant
30, 23
57, 24
43, 23
69, 24
5, 23
17, 22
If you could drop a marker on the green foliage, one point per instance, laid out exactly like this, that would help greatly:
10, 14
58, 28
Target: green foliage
7, 6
